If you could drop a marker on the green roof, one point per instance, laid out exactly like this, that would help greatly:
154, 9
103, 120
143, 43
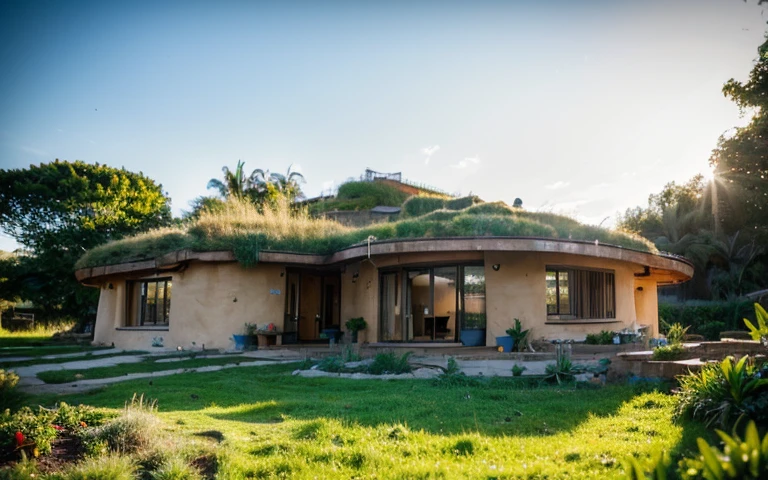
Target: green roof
243, 230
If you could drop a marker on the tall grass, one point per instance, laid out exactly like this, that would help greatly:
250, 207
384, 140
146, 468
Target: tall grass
241, 228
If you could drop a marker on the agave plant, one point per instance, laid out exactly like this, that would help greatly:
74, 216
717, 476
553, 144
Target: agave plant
519, 336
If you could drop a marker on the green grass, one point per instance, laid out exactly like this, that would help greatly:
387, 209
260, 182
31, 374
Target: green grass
361, 196
245, 231
263, 422
147, 365
40, 335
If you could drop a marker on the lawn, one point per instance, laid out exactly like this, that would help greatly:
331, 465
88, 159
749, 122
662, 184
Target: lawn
263, 422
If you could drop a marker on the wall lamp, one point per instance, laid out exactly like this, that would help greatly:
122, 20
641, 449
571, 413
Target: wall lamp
355, 276
496, 267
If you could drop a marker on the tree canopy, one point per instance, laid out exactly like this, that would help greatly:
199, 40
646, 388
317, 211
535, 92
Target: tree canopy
57, 211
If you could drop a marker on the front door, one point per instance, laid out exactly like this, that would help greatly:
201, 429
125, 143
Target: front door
291, 319
312, 305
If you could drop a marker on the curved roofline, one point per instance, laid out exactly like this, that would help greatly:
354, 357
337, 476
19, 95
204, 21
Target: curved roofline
679, 268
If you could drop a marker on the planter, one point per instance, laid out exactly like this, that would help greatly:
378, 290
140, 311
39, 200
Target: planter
241, 341
353, 336
506, 342
472, 338
333, 333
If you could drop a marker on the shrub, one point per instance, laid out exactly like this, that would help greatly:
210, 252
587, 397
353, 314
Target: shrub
390, 362
708, 318
27, 430
421, 205
9, 395
106, 467
356, 324
668, 352
331, 364
603, 338
518, 370
720, 392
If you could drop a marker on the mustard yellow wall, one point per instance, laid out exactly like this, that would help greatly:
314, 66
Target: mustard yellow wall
517, 290
210, 302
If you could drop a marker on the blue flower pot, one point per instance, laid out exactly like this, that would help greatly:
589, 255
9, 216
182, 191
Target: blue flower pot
241, 341
472, 338
506, 342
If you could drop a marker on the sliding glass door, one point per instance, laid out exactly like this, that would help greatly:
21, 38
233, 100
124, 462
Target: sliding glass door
432, 304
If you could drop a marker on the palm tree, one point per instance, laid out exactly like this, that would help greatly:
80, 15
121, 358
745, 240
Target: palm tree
235, 184
289, 184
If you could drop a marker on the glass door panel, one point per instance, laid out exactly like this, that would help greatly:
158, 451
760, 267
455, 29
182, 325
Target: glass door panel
389, 304
441, 324
473, 326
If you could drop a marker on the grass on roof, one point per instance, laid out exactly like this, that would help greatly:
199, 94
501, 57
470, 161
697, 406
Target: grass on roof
361, 196
245, 231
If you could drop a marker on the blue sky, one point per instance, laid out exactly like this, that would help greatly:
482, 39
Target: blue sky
581, 108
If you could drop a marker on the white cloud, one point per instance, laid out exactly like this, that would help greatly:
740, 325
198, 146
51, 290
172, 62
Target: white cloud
467, 162
557, 185
429, 151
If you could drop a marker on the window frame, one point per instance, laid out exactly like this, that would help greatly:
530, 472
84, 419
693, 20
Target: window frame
137, 300
604, 295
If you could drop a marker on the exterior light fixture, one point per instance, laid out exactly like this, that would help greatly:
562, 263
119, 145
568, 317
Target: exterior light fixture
355, 276
496, 267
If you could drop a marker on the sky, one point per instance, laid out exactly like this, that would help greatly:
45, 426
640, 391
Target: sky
582, 108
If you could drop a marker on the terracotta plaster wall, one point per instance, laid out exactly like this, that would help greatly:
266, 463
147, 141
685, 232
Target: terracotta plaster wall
210, 302
517, 290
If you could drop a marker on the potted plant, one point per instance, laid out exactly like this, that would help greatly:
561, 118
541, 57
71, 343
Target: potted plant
354, 325
516, 338
472, 332
244, 338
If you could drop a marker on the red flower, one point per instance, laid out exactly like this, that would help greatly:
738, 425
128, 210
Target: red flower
58, 427
19, 439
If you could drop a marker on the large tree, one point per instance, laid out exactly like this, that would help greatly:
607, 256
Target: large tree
741, 159
57, 211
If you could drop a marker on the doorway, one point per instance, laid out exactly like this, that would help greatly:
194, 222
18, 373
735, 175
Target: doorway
432, 304
312, 305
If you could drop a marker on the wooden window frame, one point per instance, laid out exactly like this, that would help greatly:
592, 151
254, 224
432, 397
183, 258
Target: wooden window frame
591, 293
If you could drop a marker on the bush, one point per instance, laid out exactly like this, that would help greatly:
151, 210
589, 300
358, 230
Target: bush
10, 397
331, 364
417, 206
391, 363
708, 318
27, 430
603, 338
668, 352
721, 392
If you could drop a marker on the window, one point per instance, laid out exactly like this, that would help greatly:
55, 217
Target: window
580, 294
150, 302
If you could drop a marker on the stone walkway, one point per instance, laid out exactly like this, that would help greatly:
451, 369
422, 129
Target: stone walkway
29, 382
